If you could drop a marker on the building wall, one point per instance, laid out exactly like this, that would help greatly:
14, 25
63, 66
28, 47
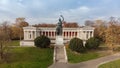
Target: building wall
30, 33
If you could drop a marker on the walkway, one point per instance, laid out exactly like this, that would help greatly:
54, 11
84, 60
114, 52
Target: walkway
88, 64
60, 54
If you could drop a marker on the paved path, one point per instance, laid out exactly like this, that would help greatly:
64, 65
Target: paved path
88, 64
59, 54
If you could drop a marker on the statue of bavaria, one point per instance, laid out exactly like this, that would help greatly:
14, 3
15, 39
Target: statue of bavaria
59, 26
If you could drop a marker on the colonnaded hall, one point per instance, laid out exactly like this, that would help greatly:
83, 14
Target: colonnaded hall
30, 33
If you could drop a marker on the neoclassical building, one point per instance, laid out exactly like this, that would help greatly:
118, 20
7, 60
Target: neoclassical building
30, 33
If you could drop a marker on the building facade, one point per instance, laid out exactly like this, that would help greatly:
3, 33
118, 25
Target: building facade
30, 33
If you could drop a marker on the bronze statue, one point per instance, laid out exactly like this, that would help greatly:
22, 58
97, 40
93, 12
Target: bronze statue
59, 26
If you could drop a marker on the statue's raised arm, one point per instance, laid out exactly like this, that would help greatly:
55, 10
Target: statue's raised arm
62, 17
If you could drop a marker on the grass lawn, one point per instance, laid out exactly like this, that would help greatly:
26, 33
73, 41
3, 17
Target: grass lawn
112, 64
15, 43
29, 57
77, 57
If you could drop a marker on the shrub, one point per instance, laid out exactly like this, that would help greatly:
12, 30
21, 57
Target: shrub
42, 42
76, 44
92, 43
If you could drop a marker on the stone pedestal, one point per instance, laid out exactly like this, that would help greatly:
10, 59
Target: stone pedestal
59, 40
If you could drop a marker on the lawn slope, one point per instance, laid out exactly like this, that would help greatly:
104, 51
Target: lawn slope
29, 57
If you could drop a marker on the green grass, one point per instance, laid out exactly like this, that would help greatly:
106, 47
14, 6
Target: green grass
113, 64
29, 57
74, 57
15, 43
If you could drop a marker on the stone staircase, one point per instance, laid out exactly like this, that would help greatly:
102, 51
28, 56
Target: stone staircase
60, 54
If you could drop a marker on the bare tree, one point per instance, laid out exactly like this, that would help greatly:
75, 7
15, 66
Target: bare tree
113, 34
4, 41
89, 23
17, 29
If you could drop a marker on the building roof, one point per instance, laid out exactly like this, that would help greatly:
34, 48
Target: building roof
83, 27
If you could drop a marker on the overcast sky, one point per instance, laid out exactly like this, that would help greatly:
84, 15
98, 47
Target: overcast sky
48, 11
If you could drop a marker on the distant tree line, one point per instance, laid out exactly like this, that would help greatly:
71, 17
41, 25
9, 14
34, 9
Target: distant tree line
14, 31
65, 24
44, 25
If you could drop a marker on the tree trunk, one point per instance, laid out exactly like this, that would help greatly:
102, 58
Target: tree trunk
1, 51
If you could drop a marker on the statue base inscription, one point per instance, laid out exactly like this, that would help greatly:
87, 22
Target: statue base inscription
59, 40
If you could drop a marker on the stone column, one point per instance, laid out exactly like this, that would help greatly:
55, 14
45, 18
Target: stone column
38, 33
65, 34
54, 33
24, 35
48, 33
73, 34
35, 34
89, 34
51, 33
80, 34
92, 33
85, 35
27, 35
31, 34
45, 33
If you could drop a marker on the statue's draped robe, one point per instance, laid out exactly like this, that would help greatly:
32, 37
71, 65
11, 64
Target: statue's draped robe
59, 28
